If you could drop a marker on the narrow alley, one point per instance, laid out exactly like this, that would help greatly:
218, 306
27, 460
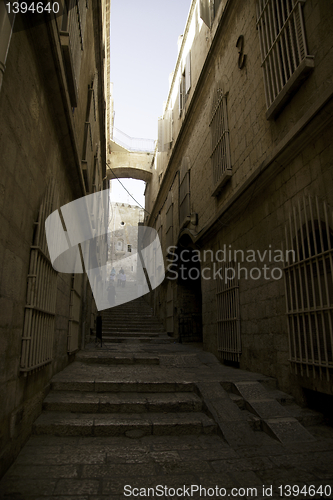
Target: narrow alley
142, 415
166, 249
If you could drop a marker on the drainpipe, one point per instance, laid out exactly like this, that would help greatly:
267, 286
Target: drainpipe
6, 29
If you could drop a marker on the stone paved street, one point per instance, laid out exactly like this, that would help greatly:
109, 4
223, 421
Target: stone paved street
144, 411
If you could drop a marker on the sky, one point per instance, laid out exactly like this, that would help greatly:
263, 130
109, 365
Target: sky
135, 187
144, 51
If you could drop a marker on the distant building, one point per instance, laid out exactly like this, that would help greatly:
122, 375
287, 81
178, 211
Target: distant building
241, 191
53, 93
123, 238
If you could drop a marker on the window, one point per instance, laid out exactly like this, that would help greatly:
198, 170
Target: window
220, 156
71, 39
208, 10
185, 84
309, 289
88, 144
129, 248
158, 257
165, 132
228, 313
169, 308
184, 193
39, 315
119, 246
284, 58
169, 221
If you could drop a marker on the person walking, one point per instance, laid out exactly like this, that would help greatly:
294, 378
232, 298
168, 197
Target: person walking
123, 280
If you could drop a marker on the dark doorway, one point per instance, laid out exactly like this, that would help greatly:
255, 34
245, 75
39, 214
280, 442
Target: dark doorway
189, 295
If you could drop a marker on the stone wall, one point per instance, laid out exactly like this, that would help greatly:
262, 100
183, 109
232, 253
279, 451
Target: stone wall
41, 139
274, 164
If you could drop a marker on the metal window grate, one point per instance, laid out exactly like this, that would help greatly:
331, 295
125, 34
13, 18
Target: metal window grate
169, 221
74, 313
282, 42
309, 288
169, 309
184, 192
220, 156
37, 339
228, 315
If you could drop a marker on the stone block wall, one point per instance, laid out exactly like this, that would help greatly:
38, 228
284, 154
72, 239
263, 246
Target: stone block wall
41, 139
274, 164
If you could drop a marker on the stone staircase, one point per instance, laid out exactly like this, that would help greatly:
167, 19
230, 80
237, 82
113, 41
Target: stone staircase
121, 389
103, 406
132, 321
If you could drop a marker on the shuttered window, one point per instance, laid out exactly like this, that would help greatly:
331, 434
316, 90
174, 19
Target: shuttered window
220, 156
184, 192
309, 288
165, 132
284, 57
185, 84
208, 10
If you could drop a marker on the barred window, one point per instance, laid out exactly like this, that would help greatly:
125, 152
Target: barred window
158, 259
309, 288
220, 156
39, 315
184, 192
169, 221
284, 56
228, 313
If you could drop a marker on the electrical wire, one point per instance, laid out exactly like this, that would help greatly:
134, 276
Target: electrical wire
122, 185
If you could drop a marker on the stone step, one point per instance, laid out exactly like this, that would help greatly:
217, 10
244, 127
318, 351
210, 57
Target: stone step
135, 339
129, 402
107, 358
129, 332
118, 424
132, 329
110, 385
114, 316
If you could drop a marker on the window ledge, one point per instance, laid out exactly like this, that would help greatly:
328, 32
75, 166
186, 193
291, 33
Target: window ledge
290, 87
84, 168
225, 177
69, 67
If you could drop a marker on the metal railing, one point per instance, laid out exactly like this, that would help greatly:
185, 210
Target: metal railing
133, 143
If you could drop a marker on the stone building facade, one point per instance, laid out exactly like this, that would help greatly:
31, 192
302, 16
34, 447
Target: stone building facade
242, 189
123, 238
52, 151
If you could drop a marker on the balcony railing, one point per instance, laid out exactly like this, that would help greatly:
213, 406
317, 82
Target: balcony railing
133, 143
